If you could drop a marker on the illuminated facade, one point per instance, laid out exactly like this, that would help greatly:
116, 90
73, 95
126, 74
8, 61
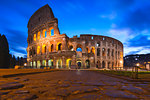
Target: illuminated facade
48, 48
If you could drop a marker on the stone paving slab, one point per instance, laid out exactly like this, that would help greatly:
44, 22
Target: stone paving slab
70, 85
12, 85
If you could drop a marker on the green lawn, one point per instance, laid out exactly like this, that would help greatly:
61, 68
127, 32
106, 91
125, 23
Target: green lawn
141, 74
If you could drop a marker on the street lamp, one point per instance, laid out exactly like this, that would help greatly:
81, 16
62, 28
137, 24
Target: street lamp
120, 61
25, 64
137, 64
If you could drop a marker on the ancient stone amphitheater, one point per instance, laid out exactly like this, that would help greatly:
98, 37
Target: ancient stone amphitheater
48, 48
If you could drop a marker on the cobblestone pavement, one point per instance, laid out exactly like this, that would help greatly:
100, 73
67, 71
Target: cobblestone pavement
72, 85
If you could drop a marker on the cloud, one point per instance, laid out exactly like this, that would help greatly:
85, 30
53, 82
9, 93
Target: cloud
17, 41
139, 41
120, 34
110, 16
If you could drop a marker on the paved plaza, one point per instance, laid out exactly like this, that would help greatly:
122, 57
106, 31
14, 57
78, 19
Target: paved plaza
72, 85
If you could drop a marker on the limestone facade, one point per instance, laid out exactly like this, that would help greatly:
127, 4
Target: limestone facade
48, 48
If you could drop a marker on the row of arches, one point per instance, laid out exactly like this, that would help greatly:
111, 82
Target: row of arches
43, 33
110, 65
43, 49
50, 63
92, 50
59, 63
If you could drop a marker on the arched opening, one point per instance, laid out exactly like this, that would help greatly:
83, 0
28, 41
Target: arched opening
39, 35
98, 51
103, 64
51, 31
71, 47
108, 52
50, 63
87, 50
44, 48
52, 48
87, 64
34, 37
108, 66
38, 49
79, 64
44, 33
38, 64
79, 48
34, 64
112, 54
116, 54
44, 63
59, 64
93, 50
68, 63
112, 65
30, 64
98, 65
59, 46
98, 44
103, 52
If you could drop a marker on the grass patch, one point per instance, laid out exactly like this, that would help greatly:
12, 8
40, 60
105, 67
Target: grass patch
130, 74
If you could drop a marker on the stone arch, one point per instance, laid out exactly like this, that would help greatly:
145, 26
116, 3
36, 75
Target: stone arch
93, 50
71, 47
103, 52
108, 52
103, 64
112, 54
98, 51
52, 48
44, 33
108, 65
87, 63
87, 50
38, 49
59, 63
39, 35
79, 63
44, 48
79, 48
59, 46
112, 65
50, 63
68, 63
51, 33
34, 37
98, 65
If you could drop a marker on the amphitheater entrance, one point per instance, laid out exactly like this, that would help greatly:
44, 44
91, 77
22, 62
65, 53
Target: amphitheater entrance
79, 64
68, 63
38, 64
87, 63
103, 64
59, 64
50, 63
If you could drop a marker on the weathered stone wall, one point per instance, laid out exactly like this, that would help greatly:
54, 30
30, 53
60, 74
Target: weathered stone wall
52, 49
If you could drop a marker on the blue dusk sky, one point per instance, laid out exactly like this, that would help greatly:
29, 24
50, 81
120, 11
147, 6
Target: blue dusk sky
125, 20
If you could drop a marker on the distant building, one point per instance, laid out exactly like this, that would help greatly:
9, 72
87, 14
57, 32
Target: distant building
132, 60
48, 48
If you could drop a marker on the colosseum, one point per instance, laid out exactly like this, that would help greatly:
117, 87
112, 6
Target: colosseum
48, 48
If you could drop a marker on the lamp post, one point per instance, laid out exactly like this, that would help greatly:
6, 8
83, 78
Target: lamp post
136, 70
